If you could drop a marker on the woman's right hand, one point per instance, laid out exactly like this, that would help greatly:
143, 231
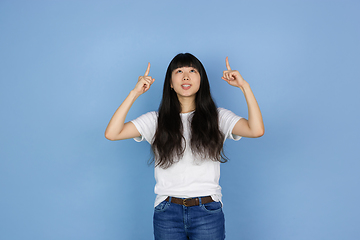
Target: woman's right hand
144, 82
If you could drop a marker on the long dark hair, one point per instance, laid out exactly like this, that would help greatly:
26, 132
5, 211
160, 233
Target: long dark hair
206, 139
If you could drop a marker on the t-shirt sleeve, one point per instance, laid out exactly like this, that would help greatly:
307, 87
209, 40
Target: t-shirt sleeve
146, 125
227, 121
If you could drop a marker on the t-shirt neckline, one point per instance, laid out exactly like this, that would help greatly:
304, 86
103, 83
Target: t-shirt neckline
187, 112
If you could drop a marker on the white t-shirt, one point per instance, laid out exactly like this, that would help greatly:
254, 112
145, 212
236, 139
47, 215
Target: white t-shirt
190, 176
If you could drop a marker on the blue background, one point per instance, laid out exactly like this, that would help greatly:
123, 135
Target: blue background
65, 66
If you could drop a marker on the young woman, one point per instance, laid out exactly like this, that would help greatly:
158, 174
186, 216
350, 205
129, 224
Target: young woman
187, 136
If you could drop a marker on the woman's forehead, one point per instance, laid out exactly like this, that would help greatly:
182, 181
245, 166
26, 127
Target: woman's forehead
185, 67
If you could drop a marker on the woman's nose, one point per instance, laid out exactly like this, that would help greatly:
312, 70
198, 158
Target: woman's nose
185, 77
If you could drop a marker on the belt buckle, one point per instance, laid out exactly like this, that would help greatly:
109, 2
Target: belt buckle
184, 202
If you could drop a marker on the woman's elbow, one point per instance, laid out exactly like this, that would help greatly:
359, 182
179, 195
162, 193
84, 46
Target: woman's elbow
259, 133
109, 136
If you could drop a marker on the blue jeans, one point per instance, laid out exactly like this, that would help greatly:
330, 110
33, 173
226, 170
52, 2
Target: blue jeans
177, 222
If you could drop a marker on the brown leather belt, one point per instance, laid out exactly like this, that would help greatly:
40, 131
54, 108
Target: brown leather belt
189, 202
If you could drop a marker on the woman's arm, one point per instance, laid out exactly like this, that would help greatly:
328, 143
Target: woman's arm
117, 129
254, 126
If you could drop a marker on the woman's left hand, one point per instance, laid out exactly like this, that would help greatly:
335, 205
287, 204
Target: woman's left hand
233, 77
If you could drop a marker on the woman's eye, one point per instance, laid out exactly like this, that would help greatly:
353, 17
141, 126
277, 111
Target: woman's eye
179, 71
192, 70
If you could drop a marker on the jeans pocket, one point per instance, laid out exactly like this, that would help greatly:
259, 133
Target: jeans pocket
161, 207
213, 207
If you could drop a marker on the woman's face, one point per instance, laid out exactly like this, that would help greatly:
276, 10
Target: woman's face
185, 81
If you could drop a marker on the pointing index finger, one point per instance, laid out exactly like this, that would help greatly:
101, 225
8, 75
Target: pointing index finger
147, 70
227, 64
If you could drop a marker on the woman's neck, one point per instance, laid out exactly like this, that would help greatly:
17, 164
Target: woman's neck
187, 104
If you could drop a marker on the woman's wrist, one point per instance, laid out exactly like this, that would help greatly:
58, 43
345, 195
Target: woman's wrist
245, 87
134, 94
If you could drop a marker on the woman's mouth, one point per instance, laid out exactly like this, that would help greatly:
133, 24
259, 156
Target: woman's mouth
186, 86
